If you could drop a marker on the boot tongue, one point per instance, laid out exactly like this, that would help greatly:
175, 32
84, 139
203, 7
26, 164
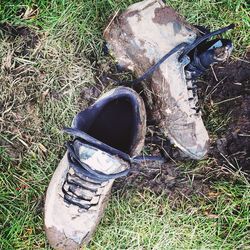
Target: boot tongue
218, 52
99, 160
208, 53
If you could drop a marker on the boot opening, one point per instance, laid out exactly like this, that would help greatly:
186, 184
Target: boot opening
115, 124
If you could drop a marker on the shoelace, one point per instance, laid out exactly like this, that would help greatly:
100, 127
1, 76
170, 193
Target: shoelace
192, 94
183, 46
195, 69
83, 179
196, 66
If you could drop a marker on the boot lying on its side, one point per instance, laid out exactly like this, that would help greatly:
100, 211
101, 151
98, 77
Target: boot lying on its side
138, 39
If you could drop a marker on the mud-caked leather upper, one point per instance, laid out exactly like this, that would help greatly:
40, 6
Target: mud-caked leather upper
74, 202
81, 184
138, 38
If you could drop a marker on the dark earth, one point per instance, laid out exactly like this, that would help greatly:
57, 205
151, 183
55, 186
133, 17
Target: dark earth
235, 91
30, 37
227, 86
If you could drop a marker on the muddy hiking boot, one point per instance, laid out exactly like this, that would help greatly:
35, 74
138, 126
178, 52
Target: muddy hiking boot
108, 136
160, 47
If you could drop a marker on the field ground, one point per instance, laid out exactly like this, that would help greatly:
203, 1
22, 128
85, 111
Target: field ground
51, 65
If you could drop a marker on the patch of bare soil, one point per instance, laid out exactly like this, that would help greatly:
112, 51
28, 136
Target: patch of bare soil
232, 93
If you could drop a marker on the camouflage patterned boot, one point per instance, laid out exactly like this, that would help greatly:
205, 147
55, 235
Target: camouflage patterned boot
139, 38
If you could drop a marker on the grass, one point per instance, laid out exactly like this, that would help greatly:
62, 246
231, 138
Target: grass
41, 91
85, 22
146, 221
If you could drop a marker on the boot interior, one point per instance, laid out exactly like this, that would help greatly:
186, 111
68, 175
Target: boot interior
115, 124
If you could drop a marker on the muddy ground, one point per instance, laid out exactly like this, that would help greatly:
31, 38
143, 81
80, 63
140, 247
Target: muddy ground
232, 93
226, 87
